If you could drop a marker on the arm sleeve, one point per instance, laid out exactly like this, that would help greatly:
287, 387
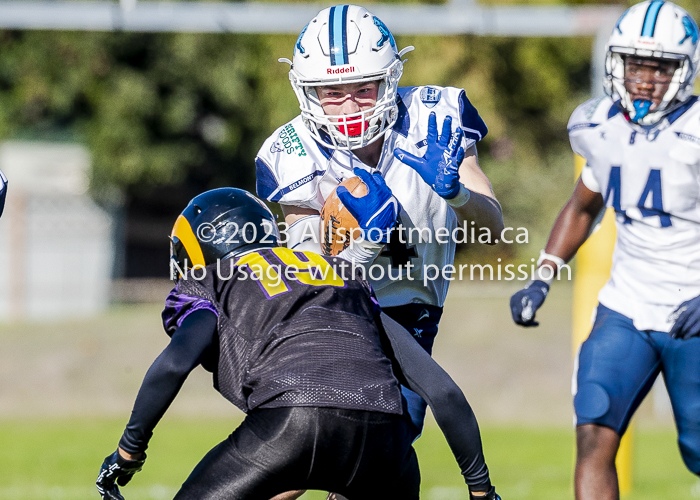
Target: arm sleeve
3, 191
165, 377
447, 402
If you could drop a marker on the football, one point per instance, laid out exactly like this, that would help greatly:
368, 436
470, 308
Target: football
338, 226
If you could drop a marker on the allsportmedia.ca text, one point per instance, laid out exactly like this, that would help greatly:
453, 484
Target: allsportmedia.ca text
466, 233
310, 231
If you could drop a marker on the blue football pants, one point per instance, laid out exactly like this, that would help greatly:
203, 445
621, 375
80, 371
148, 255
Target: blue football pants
617, 366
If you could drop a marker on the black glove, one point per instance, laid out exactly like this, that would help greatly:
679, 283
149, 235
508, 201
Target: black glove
491, 495
116, 468
686, 320
525, 303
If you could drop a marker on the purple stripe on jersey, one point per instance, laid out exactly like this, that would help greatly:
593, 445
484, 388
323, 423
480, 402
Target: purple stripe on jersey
301, 256
375, 304
179, 305
197, 306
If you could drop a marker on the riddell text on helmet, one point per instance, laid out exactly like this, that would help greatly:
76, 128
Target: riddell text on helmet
338, 71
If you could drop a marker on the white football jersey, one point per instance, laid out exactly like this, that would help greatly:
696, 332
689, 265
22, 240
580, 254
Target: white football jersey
293, 169
651, 177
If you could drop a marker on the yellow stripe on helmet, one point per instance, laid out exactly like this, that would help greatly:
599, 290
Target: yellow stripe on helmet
183, 231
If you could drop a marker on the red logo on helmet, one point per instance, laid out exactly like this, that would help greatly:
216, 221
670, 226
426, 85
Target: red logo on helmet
341, 70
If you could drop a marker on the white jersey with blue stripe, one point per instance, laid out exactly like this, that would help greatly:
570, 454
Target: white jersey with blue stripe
293, 169
651, 177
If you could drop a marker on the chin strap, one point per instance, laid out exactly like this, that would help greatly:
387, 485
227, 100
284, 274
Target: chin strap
641, 109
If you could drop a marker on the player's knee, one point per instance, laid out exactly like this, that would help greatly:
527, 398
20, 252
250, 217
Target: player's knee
591, 401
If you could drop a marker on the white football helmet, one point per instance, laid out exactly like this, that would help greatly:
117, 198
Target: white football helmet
346, 44
660, 30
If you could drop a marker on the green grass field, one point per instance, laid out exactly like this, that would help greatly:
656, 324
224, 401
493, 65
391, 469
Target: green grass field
59, 459
66, 389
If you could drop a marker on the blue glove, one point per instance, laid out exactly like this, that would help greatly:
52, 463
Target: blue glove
3, 191
377, 211
687, 320
525, 303
116, 468
440, 164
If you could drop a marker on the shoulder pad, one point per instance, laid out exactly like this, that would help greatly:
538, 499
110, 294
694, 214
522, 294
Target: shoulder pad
592, 113
586, 118
289, 164
685, 121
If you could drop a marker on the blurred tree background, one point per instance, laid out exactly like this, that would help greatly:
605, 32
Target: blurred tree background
166, 116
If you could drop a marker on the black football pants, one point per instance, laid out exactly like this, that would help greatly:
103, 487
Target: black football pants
361, 455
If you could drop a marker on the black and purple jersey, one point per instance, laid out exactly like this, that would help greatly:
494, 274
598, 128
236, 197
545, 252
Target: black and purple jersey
294, 329
285, 330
